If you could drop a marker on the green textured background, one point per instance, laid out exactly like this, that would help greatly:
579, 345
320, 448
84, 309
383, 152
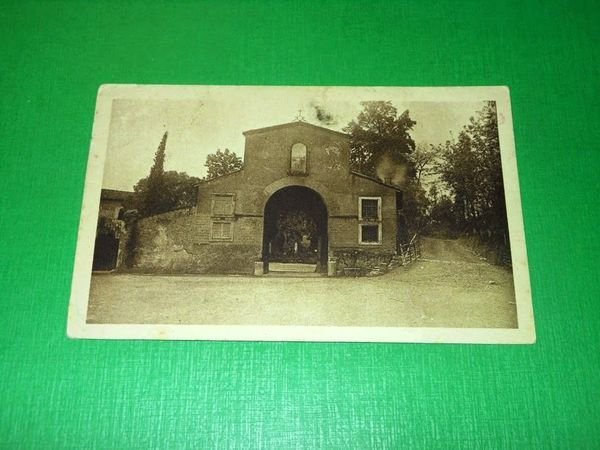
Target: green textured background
57, 392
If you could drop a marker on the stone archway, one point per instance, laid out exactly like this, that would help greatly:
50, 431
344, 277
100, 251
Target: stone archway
295, 228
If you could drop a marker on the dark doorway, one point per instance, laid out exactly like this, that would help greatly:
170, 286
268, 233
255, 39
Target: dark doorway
105, 252
295, 228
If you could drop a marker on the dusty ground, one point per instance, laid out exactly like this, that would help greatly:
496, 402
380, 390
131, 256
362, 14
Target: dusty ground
448, 287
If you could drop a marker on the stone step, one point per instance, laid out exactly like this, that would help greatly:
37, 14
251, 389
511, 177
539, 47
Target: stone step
294, 275
292, 267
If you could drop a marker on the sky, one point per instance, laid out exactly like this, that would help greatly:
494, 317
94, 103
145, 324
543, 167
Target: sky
216, 118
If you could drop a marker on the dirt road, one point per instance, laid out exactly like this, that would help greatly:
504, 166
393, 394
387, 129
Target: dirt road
447, 250
448, 287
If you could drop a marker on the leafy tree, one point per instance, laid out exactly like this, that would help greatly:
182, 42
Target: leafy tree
179, 191
379, 133
471, 169
415, 206
381, 146
434, 194
423, 159
441, 217
222, 163
162, 191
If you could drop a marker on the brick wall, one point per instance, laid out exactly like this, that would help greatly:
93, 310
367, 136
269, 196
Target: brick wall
267, 164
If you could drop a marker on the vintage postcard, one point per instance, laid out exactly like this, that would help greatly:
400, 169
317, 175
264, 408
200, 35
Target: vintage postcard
365, 214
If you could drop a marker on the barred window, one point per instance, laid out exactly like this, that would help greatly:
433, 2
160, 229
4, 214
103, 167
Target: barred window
369, 234
369, 220
369, 209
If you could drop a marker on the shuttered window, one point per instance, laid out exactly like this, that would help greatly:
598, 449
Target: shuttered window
222, 231
222, 212
223, 205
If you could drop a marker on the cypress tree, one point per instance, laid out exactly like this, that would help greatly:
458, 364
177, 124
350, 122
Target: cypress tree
155, 194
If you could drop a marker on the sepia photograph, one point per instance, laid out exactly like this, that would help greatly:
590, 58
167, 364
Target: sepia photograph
367, 214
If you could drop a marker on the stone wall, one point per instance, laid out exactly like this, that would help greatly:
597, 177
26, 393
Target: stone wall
179, 242
362, 262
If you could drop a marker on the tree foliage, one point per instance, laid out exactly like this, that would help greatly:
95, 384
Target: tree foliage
379, 133
423, 159
154, 192
440, 214
178, 191
471, 170
382, 147
162, 191
222, 163
415, 206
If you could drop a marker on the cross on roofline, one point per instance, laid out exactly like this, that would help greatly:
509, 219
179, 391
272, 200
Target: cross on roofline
300, 117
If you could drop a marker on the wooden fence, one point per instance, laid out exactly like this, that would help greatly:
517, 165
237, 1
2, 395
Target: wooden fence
411, 251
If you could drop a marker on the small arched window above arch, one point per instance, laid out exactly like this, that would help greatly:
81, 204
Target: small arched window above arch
298, 165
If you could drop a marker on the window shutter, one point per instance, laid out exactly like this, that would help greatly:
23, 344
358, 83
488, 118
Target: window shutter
222, 231
223, 205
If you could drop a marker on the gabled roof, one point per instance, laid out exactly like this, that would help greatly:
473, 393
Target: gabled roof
375, 180
297, 123
208, 180
114, 194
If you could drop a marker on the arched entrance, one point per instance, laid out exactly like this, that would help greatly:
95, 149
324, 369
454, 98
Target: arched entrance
295, 228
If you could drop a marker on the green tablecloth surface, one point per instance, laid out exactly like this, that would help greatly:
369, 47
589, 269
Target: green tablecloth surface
61, 393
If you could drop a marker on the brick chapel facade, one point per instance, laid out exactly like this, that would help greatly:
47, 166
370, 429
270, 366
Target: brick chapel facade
295, 200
